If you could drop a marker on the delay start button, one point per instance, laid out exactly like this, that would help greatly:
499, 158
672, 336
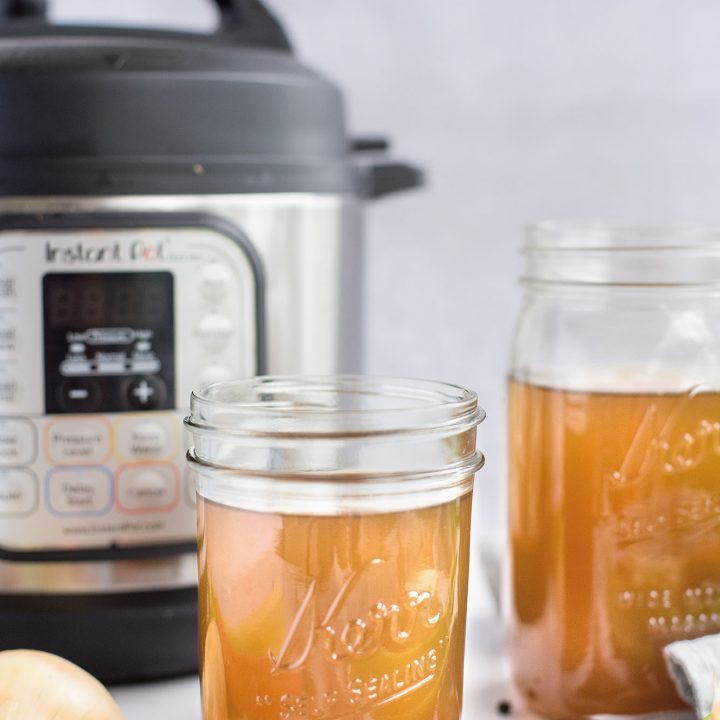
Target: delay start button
79, 490
147, 488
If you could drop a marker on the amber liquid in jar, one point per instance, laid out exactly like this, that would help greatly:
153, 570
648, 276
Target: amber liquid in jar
358, 616
615, 531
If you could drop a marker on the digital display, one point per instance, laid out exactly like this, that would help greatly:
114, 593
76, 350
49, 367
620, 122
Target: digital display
106, 300
109, 342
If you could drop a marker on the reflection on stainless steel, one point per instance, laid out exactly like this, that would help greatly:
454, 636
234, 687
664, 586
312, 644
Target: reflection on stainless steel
106, 576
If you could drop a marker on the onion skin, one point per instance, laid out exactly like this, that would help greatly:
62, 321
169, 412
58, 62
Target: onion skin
39, 686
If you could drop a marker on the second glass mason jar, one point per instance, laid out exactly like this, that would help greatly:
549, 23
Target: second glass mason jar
614, 462
333, 529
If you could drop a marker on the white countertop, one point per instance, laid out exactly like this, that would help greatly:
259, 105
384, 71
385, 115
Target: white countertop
486, 676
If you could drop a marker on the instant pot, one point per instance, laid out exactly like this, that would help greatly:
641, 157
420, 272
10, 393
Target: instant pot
174, 209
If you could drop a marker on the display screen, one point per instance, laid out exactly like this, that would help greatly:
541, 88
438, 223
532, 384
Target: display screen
109, 341
106, 300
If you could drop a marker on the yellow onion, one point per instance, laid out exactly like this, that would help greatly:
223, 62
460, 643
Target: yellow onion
40, 686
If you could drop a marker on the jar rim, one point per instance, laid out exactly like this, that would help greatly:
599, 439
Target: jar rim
575, 236
331, 406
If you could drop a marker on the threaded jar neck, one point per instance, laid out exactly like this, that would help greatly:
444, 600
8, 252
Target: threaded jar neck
564, 253
331, 445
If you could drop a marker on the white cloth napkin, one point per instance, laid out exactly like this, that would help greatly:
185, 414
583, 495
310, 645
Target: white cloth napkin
694, 666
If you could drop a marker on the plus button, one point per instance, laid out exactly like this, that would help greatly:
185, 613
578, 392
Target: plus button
143, 392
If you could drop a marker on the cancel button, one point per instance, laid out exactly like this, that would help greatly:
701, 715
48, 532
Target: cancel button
147, 488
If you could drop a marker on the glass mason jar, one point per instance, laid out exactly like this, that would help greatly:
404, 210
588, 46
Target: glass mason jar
614, 464
333, 524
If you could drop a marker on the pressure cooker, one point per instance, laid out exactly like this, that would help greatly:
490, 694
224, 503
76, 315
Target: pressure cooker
175, 209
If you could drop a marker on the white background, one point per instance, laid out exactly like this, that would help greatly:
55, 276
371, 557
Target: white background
518, 110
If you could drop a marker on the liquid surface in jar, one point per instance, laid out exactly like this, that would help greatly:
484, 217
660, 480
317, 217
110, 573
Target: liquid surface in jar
358, 616
615, 532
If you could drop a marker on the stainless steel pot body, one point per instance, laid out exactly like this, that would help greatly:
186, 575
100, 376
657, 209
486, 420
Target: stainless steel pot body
308, 254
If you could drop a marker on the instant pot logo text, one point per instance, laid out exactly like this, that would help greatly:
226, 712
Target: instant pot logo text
86, 254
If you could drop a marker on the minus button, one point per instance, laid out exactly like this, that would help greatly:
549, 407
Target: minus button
79, 395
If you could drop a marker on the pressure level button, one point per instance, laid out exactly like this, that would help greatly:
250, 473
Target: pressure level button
78, 441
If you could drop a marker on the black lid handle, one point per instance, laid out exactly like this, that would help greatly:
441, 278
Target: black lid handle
23, 9
377, 174
249, 22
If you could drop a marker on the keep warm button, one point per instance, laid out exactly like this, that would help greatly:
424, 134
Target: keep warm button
78, 441
147, 488
147, 439
79, 491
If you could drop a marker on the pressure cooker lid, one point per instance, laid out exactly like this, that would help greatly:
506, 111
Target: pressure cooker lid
111, 111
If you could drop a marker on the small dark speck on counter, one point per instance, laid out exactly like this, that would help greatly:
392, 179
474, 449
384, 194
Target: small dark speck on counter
504, 708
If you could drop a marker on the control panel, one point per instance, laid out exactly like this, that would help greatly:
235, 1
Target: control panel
104, 333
